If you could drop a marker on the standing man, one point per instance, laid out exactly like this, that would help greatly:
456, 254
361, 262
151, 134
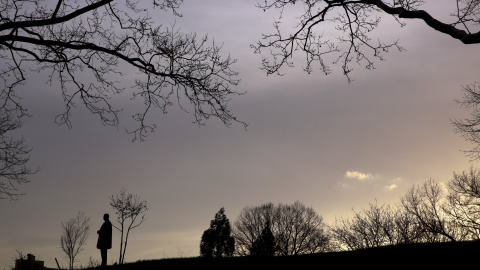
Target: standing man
105, 238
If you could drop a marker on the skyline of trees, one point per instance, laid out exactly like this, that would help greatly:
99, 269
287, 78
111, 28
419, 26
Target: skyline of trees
428, 213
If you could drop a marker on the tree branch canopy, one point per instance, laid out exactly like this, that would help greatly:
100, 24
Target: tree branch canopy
100, 39
355, 22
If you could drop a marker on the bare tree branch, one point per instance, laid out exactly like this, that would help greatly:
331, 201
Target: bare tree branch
98, 39
355, 22
73, 237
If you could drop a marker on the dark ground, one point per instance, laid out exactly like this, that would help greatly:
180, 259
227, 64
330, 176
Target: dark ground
460, 255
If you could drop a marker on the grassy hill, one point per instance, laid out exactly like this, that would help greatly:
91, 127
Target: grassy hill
460, 255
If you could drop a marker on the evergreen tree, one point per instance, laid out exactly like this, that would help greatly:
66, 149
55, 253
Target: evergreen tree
265, 244
216, 240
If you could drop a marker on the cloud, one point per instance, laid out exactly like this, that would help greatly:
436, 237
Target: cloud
391, 187
358, 175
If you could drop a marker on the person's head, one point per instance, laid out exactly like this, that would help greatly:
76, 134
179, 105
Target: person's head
105, 217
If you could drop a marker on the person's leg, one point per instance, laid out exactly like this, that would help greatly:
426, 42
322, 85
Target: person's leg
104, 256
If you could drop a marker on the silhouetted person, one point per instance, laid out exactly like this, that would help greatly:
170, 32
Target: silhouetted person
105, 239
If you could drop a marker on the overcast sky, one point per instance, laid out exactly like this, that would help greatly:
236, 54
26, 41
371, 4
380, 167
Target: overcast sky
330, 144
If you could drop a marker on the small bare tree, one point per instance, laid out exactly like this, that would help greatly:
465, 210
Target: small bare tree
130, 214
74, 235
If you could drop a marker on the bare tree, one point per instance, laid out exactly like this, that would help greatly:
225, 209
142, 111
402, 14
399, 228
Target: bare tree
377, 226
130, 211
365, 230
469, 128
73, 237
14, 156
425, 203
464, 202
407, 228
297, 229
427, 213
249, 225
300, 230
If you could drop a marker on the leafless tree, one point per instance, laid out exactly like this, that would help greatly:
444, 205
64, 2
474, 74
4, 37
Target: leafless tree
366, 229
300, 230
427, 213
14, 156
74, 234
469, 128
297, 229
249, 225
20, 260
377, 226
464, 202
426, 204
406, 227
130, 211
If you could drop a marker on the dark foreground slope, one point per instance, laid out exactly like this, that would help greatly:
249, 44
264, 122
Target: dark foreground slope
461, 255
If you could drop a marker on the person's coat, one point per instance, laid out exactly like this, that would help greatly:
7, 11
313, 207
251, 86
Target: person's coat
105, 236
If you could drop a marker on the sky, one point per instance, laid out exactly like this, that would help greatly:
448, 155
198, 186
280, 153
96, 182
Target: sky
330, 144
